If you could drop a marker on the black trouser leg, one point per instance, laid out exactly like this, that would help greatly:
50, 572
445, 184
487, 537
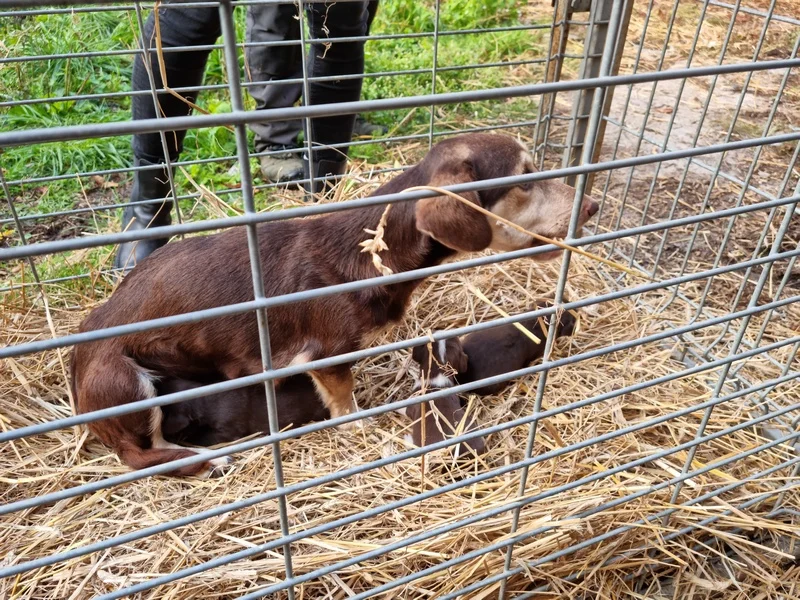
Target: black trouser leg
274, 23
151, 206
331, 21
180, 27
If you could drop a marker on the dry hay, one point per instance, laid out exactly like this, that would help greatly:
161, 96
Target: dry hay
33, 390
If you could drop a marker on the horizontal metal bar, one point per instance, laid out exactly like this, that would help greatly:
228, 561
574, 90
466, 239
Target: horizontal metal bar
57, 280
279, 82
480, 552
95, 130
196, 316
125, 478
754, 12
230, 158
246, 503
228, 191
481, 516
69, 11
27, 3
689, 528
317, 209
271, 44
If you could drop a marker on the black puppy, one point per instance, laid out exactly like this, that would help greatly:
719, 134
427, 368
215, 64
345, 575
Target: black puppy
503, 349
229, 416
443, 415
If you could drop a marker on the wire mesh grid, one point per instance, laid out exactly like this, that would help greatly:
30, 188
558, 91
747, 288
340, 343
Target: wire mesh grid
670, 412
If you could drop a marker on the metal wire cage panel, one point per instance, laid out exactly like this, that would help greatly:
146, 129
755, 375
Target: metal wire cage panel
650, 453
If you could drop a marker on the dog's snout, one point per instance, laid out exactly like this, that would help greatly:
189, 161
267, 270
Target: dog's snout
591, 207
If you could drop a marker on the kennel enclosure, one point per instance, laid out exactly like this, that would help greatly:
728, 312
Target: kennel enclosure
660, 441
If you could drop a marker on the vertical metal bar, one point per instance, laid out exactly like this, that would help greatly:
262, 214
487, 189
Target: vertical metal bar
20, 229
745, 185
796, 471
621, 37
625, 106
673, 116
433, 70
789, 267
232, 63
595, 42
558, 47
776, 244
304, 51
538, 134
582, 99
756, 249
646, 114
148, 65
594, 124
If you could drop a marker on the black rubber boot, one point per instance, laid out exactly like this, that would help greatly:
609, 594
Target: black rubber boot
152, 184
365, 129
322, 169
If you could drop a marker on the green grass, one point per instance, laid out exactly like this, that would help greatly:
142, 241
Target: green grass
115, 31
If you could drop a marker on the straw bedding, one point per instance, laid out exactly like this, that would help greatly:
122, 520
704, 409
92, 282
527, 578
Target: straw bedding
32, 390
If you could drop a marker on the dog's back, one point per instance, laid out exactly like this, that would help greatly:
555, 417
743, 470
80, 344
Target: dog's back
504, 349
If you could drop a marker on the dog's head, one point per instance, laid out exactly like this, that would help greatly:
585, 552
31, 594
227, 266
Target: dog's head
433, 368
566, 322
542, 207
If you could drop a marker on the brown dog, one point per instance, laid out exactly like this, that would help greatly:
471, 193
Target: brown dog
301, 254
444, 415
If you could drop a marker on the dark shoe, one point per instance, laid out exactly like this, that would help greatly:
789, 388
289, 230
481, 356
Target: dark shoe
282, 168
323, 169
364, 128
152, 184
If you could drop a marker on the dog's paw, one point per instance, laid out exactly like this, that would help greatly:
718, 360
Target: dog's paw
352, 425
217, 467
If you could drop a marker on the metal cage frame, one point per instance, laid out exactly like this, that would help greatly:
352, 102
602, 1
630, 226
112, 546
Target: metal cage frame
578, 158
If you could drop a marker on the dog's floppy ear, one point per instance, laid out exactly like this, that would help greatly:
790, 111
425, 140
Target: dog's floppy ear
456, 356
449, 221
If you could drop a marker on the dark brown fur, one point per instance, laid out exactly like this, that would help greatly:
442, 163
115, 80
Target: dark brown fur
442, 415
503, 349
211, 271
229, 416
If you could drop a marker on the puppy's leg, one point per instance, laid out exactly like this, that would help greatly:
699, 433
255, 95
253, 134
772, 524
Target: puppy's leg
215, 466
335, 387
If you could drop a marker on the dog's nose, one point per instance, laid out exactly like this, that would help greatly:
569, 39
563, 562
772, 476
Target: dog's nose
591, 207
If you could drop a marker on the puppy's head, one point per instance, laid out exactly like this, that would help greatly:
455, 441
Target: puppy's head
542, 207
566, 322
433, 369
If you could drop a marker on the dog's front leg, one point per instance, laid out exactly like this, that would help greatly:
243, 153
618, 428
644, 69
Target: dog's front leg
335, 387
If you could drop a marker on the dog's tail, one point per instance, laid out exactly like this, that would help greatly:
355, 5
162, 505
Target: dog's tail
103, 378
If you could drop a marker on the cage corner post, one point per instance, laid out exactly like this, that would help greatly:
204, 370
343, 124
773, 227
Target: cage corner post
597, 32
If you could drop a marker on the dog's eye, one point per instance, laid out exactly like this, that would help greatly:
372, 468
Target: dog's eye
528, 186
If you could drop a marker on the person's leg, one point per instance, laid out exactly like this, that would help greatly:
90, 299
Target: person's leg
362, 127
275, 23
178, 27
330, 21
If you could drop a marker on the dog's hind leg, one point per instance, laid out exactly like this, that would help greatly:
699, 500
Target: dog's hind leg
335, 387
135, 437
